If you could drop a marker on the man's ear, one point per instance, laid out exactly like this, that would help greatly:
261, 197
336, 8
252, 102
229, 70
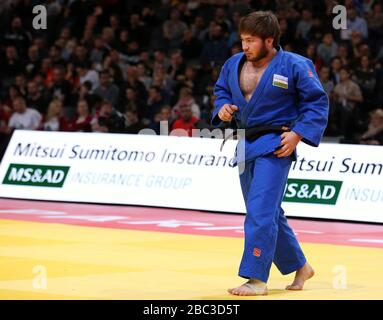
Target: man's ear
269, 42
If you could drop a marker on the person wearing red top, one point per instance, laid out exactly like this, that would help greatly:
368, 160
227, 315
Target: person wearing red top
82, 122
186, 121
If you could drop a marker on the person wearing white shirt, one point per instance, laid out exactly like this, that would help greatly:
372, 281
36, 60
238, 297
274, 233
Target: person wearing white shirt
23, 117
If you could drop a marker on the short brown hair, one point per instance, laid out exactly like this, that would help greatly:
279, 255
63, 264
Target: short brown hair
263, 24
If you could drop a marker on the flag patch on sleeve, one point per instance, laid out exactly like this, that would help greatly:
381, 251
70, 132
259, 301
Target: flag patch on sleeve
280, 81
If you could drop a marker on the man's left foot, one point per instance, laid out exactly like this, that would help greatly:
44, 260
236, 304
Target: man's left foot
253, 287
303, 274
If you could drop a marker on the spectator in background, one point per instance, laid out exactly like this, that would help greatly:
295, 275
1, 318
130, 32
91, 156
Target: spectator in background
375, 20
173, 30
87, 74
364, 76
336, 65
347, 94
54, 119
154, 104
303, 27
327, 49
137, 30
186, 121
35, 98
186, 98
23, 117
11, 66
13, 93
163, 119
354, 24
374, 134
132, 81
99, 50
343, 54
132, 124
107, 90
33, 62
132, 101
215, 49
311, 53
60, 88
18, 36
191, 46
83, 118
55, 54
143, 76
221, 20
233, 35
108, 119
328, 86
177, 65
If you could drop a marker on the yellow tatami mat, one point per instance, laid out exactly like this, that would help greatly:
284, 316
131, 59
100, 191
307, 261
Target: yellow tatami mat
53, 261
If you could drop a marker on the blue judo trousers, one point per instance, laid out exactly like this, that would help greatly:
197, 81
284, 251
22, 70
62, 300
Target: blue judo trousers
289, 92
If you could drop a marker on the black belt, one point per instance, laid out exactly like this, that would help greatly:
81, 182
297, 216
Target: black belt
256, 132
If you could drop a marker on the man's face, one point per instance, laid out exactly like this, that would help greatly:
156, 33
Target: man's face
104, 79
58, 75
254, 47
19, 106
165, 114
343, 75
186, 112
324, 73
32, 88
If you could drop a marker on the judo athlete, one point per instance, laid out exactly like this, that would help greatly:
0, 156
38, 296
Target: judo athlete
265, 86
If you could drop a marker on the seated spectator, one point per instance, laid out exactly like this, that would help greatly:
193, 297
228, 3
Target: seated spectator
54, 119
347, 94
162, 120
132, 124
191, 47
186, 121
10, 66
60, 88
173, 30
35, 98
132, 101
374, 134
154, 104
215, 50
327, 49
186, 98
108, 119
83, 118
23, 117
87, 74
364, 76
354, 24
33, 61
107, 90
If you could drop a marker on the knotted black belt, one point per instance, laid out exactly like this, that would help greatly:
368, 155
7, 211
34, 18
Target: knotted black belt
253, 133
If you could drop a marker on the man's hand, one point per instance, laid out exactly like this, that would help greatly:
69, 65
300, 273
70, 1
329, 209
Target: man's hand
227, 111
289, 142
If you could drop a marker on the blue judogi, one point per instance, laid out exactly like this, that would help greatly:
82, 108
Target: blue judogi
289, 92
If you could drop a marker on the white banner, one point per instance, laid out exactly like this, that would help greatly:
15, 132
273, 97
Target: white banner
333, 181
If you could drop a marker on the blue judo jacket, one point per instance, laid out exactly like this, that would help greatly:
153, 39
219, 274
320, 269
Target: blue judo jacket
289, 92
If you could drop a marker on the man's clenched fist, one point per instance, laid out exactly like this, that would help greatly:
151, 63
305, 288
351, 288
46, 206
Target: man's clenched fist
227, 111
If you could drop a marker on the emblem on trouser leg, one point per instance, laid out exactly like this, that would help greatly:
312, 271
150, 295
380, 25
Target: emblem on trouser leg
257, 252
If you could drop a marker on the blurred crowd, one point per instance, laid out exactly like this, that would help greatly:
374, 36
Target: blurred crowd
121, 66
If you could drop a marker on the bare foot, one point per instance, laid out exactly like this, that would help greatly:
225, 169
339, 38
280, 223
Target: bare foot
303, 274
253, 287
